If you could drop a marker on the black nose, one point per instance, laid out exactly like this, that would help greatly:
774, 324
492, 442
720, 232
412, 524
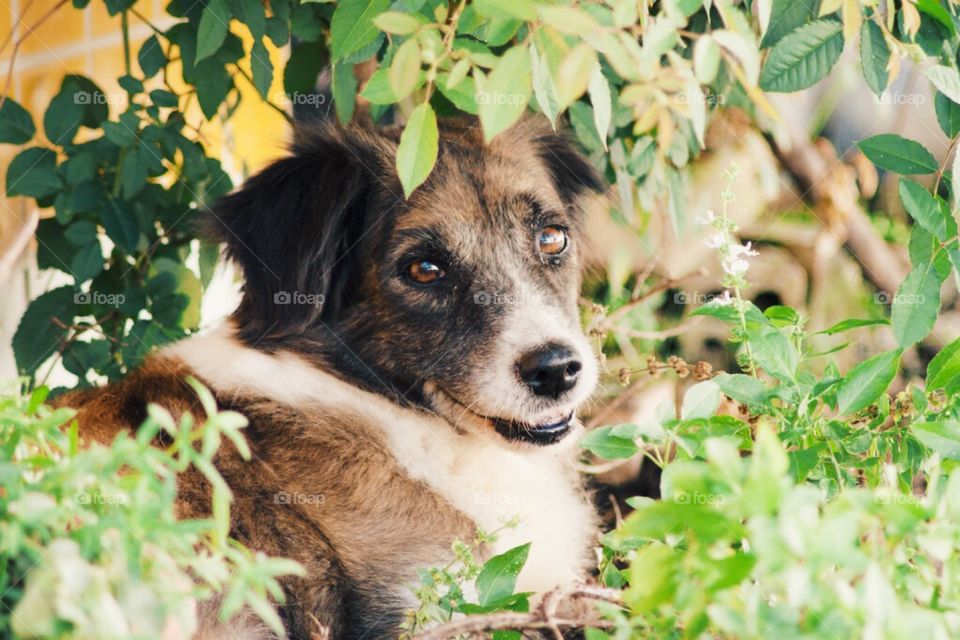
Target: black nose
549, 370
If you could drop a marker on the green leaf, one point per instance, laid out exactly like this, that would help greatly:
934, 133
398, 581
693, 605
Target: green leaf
775, 354
33, 173
935, 10
133, 172
417, 152
874, 56
543, 87
506, 9
706, 59
502, 96
213, 29
87, 262
728, 312
803, 58
916, 305
87, 93
151, 57
394, 22
306, 61
262, 68
119, 133
213, 90
81, 356
853, 323
16, 125
894, 153
605, 443
352, 26
498, 577
864, 384
186, 287
655, 576
404, 72
121, 226
377, 90
573, 76
463, 95
599, 90
943, 372
130, 84
787, 16
344, 91
163, 98
42, 328
948, 115
701, 400
742, 388
942, 437
923, 208
253, 15
945, 79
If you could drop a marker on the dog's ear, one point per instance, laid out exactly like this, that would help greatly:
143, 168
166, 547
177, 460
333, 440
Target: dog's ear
292, 227
572, 174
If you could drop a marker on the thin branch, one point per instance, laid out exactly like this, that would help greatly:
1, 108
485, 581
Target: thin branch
246, 76
19, 41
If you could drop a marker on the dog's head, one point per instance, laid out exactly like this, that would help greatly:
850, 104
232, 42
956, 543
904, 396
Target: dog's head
462, 298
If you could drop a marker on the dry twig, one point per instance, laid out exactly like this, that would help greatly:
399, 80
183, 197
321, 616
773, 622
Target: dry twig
543, 618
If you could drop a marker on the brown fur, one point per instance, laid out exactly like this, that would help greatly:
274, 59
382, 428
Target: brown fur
323, 486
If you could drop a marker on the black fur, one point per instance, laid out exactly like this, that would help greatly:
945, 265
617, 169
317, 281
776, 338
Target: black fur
292, 228
573, 176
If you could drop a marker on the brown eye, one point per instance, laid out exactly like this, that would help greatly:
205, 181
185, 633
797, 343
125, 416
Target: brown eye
553, 240
424, 272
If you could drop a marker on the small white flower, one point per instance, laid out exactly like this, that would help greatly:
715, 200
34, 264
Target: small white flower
708, 218
734, 266
737, 250
716, 241
724, 299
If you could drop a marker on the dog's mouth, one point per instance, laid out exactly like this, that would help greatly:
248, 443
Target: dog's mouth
550, 430
540, 434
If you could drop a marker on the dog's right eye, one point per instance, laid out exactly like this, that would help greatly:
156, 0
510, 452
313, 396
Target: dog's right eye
424, 272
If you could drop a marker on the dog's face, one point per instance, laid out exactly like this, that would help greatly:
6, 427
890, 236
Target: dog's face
462, 298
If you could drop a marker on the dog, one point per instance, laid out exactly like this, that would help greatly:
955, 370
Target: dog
410, 369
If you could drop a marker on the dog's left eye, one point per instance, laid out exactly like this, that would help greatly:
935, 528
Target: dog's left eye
424, 271
553, 240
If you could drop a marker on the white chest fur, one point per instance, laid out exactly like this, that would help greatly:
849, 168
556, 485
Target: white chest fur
493, 484
482, 476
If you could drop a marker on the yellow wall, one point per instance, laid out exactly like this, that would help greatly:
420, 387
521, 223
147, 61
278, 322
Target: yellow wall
89, 42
